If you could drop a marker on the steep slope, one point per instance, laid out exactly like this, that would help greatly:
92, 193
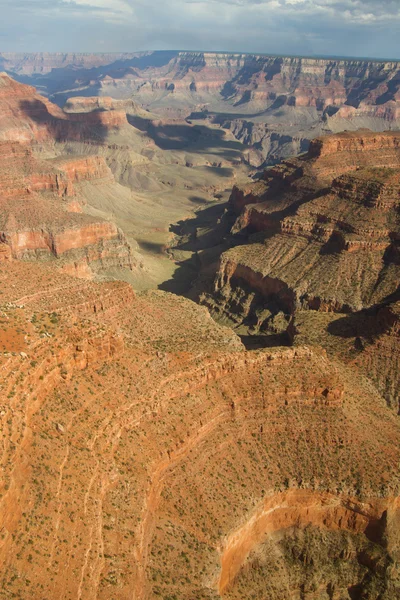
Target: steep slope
41, 215
328, 232
26, 116
141, 462
369, 340
41, 212
317, 238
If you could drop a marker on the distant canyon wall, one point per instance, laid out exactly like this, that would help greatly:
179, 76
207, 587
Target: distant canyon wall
275, 105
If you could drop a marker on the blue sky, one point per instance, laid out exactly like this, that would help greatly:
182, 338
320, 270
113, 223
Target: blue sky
321, 27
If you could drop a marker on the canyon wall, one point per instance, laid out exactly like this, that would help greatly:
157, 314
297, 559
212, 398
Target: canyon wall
141, 461
45, 62
145, 452
319, 234
42, 210
273, 104
330, 231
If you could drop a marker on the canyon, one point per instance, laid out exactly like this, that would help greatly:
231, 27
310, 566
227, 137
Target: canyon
235, 439
326, 212
274, 105
72, 179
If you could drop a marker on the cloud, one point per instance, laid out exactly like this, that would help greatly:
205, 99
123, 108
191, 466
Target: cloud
114, 10
322, 27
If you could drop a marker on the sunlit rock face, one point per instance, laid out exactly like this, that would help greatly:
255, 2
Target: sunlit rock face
329, 225
41, 211
148, 448
319, 235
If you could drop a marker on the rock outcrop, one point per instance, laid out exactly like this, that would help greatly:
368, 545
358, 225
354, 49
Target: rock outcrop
40, 214
26, 116
86, 104
317, 514
327, 232
41, 211
319, 235
380, 355
368, 340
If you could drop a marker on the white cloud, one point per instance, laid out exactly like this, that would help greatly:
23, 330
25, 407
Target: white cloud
117, 7
350, 27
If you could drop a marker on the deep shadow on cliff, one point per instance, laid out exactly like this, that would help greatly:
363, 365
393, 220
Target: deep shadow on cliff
62, 78
199, 138
70, 128
203, 239
204, 230
365, 324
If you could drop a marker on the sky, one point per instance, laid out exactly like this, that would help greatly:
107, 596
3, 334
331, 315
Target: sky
362, 28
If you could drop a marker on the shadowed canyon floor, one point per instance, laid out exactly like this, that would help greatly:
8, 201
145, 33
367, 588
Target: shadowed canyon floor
146, 451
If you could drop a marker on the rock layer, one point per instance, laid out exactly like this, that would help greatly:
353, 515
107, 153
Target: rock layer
128, 442
300, 509
41, 215
330, 229
276, 105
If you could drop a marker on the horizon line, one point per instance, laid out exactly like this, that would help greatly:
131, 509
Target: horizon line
231, 52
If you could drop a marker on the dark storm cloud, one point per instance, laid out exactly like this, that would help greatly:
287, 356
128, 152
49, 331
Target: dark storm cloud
340, 27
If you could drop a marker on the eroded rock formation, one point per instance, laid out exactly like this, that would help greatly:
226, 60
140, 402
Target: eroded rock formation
146, 453
275, 105
330, 229
322, 235
41, 213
